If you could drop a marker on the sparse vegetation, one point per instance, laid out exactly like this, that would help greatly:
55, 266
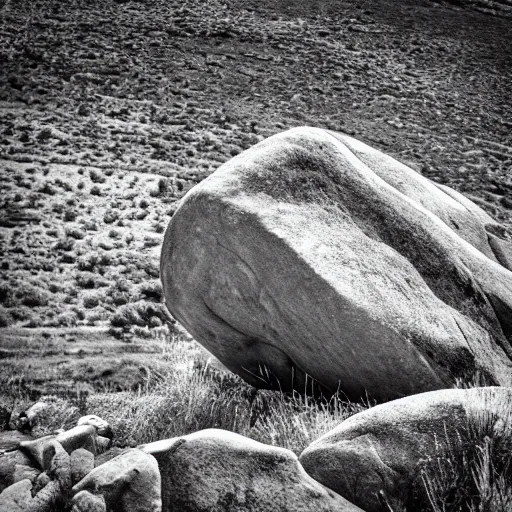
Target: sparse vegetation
476, 476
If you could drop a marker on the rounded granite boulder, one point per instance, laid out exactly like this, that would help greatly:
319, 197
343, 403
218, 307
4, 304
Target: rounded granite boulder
314, 256
374, 457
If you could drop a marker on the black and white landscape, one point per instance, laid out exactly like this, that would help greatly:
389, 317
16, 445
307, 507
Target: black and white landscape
256, 255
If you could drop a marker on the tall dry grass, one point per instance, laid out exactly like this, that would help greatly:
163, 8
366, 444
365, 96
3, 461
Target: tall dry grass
195, 395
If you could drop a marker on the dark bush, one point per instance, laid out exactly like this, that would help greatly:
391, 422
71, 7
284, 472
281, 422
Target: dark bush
139, 313
5, 317
32, 296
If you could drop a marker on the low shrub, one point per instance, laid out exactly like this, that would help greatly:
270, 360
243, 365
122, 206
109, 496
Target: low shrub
95, 191
5, 317
32, 296
139, 313
94, 262
96, 176
151, 290
90, 280
90, 301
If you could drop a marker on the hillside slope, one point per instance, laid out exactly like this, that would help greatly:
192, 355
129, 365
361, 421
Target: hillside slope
111, 111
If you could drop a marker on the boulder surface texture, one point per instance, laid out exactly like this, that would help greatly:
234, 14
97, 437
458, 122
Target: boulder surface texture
313, 254
378, 453
218, 471
129, 482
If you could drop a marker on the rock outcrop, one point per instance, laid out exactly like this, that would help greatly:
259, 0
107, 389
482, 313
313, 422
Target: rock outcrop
312, 254
374, 457
217, 470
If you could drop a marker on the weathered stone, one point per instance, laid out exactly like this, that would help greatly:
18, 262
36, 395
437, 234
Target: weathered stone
36, 449
41, 481
11, 439
16, 497
60, 466
82, 436
102, 444
312, 254
48, 499
379, 452
84, 501
11, 465
54, 495
221, 471
25, 472
131, 481
103, 428
82, 463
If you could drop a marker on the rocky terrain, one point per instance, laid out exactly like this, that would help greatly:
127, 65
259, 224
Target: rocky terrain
383, 459
110, 111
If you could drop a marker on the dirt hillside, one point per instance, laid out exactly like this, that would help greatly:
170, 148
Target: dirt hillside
111, 110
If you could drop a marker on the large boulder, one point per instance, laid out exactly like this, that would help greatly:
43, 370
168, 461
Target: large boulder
219, 471
376, 457
314, 255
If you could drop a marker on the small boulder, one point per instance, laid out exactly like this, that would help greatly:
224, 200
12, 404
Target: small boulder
102, 444
41, 481
25, 472
15, 464
131, 481
84, 501
35, 448
219, 470
81, 436
103, 428
374, 457
82, 463
16, 497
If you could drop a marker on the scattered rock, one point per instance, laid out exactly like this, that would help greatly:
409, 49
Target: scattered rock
36, 449
82, 463
41, 481
81, 436
13, 465
84, 501
25, 472
131, 481
219, 470
102, 427
312, 254
11, 439
378, 452
102, 444
16, 497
